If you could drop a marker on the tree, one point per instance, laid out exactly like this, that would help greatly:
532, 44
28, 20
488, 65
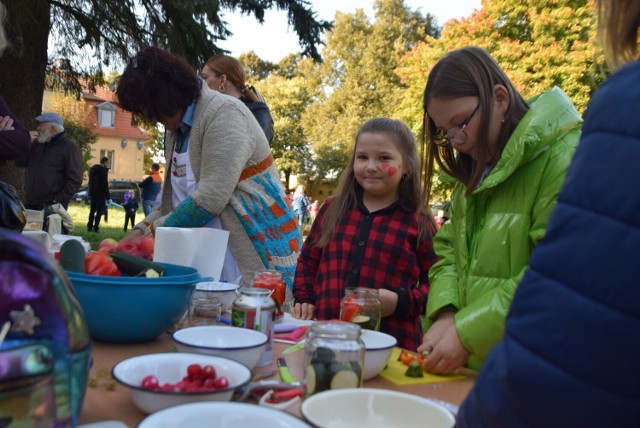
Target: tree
79, 122
90, 34
289, 91
359, 78
539, 44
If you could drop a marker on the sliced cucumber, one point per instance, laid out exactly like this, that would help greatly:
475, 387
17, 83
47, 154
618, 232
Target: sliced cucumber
361, 319
316, 377
345, 378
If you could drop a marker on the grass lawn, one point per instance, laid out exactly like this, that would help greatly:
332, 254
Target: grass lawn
113, 228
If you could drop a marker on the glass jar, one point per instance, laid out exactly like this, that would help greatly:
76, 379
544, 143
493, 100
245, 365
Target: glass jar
272, 280
334, 356
254, 308
362, 306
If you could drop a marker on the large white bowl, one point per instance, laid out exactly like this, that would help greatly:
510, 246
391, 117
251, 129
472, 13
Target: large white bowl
378, 350
225, 291
374, 408
221, 415
171, 367
239, 344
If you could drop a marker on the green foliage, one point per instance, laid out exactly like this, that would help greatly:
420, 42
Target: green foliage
112, 228
359, 78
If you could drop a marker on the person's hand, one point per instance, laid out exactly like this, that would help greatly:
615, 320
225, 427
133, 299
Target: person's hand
303, 311
135, 234
6, 124
33, 134
442, 347
389, 300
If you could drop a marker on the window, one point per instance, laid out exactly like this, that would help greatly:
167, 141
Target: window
106, 115
110, 154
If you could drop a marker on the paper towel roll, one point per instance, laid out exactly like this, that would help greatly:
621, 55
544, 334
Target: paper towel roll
202, 248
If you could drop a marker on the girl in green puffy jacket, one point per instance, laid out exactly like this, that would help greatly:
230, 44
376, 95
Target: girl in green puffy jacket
509, 157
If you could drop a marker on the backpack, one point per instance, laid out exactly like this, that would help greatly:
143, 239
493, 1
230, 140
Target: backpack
45, 355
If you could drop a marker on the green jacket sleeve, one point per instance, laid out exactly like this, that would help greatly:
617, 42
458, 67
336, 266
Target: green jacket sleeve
480, 325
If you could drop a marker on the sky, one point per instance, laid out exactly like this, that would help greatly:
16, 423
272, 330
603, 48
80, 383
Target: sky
273, 40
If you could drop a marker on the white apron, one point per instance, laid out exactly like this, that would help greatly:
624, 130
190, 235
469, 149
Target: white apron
184, 184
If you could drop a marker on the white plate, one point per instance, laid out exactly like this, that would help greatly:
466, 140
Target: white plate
221, 415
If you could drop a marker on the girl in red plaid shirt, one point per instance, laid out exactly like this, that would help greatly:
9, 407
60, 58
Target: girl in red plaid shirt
376, 232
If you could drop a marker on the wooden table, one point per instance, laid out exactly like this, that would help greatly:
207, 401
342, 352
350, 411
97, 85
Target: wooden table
108, 400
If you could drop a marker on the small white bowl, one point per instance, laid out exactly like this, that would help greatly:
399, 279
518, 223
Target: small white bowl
171, 367
378, 350
374, 408
221, 415
225, 291
240, 344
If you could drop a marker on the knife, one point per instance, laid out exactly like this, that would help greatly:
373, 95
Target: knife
285, 374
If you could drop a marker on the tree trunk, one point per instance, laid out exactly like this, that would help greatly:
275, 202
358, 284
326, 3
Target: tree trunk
22, 70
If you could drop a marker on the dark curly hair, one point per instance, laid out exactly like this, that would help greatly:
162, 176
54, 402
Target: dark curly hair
157, 84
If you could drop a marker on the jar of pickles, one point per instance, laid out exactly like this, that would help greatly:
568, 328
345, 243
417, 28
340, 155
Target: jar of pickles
361, 306
273, 280
253, 308
334, 356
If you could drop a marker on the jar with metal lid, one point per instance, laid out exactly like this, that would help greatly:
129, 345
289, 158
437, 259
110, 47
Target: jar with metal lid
362, 306
273, 280
334, 356
254, 308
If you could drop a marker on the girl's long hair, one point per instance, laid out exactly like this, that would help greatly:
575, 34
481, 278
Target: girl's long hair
618, 22
468, 72
409, 189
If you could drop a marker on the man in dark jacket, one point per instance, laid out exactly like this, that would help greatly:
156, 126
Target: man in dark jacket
54, 165
98, 192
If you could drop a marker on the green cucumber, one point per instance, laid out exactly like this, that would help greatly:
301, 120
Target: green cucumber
414, 370
316, 378
137, 266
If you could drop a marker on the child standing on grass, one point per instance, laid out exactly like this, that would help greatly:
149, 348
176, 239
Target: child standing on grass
376, 232
130, 209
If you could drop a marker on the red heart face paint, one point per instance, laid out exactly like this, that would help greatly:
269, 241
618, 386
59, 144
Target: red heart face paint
392, 171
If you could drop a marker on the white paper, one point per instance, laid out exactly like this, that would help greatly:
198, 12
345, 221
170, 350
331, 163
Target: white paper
200, 248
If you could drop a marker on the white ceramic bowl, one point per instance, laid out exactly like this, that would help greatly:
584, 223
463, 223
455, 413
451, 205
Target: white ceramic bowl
378, 350
225, 291
374, 408
221, 415
240, 344
171, 367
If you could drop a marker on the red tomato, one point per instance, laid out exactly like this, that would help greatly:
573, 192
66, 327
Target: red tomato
221, 383
349, 309
98, 263
145, 244
194, 370
150, 382
208, 372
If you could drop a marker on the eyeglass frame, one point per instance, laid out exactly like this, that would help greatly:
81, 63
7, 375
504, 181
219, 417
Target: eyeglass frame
442, 139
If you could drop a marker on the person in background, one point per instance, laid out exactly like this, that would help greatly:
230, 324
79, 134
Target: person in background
226, 74
313, 210
300, 204
130, 209
509, 157
569, 356
98, 190
54, 165
150, 188
220, 172
376, 233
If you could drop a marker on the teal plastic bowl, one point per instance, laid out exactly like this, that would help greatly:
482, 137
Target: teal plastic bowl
129, 309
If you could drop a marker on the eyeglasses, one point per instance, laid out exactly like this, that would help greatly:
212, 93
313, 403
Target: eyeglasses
455, 134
